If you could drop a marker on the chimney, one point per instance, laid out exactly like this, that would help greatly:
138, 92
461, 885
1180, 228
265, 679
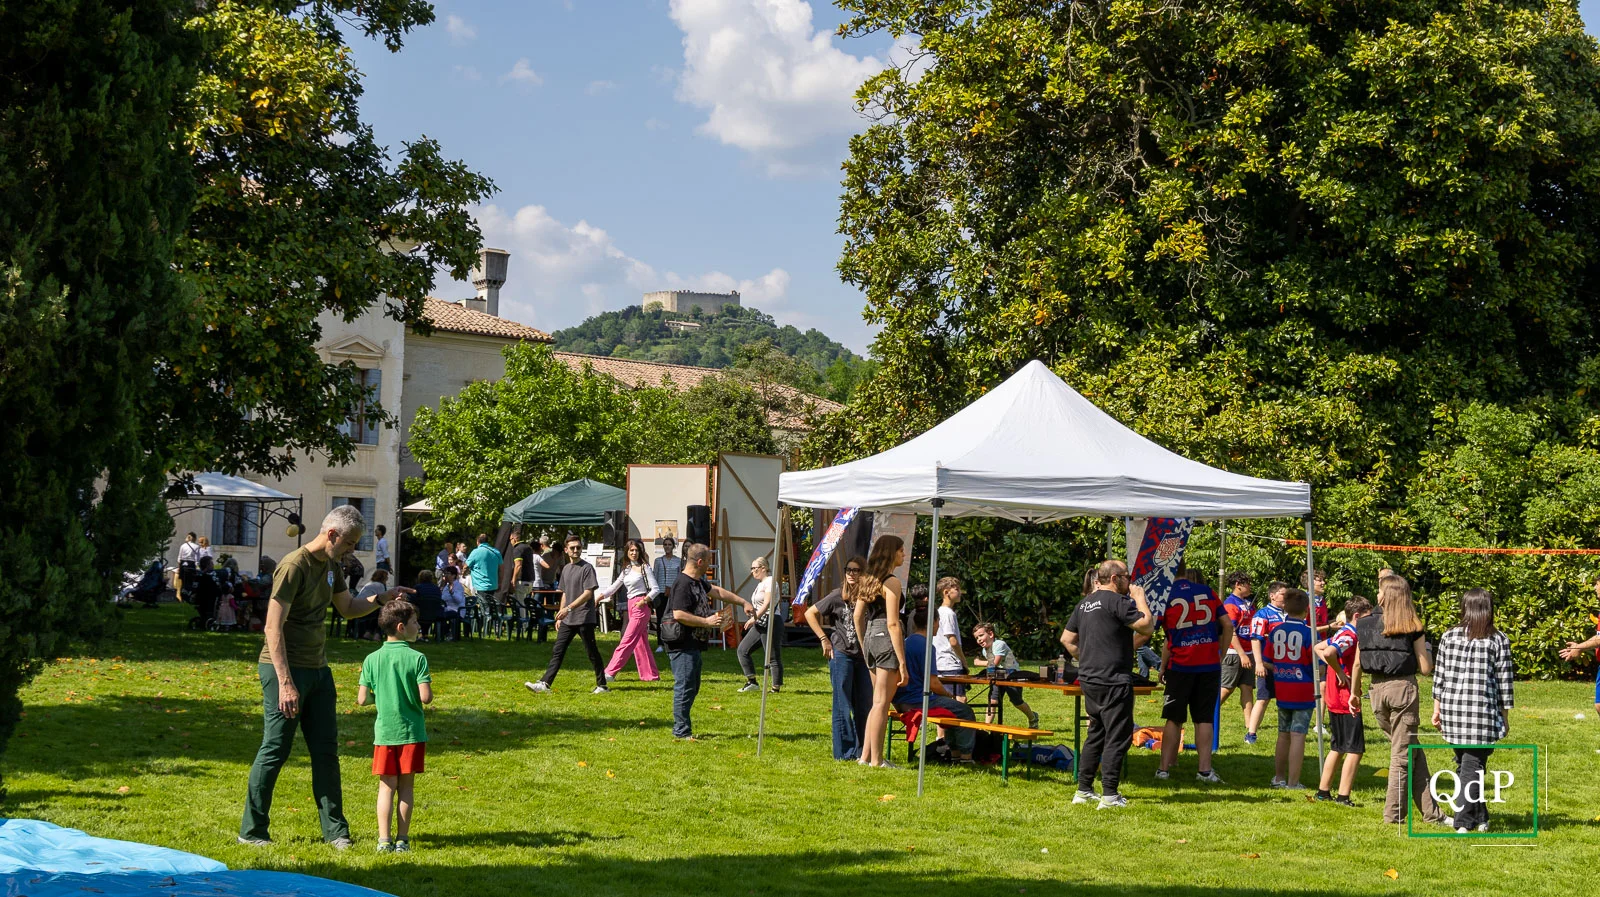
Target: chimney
489, 275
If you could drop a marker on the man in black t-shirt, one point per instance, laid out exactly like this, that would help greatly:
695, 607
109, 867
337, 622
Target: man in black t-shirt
1100, 635
687, 625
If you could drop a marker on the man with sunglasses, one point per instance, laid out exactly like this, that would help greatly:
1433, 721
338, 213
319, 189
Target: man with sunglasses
577, 617
1099, 635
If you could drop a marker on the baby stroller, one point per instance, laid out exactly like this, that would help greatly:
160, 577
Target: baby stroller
146, 587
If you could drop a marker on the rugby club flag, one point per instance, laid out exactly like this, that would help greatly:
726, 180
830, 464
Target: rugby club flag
823, 551
1155, 552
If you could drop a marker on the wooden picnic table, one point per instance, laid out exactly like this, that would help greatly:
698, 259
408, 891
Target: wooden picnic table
1070, 689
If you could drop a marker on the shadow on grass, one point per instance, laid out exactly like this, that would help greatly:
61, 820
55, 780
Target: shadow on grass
799, 873
536, 840
134, 730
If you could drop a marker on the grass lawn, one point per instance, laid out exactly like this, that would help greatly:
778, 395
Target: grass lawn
150, 739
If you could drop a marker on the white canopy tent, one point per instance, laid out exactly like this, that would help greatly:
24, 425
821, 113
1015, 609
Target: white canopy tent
1034, 450
210, 487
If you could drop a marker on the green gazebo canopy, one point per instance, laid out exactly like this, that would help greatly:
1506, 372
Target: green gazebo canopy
578, 503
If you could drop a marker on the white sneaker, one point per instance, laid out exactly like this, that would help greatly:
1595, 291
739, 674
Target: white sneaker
610, 678
1163, 774
1210, 777
537, 688
660, 650
1112, 802
750, 686
1085, 797
600, 690
1483, 826
1461, 831
1295, 786
1448, 822
1279, 783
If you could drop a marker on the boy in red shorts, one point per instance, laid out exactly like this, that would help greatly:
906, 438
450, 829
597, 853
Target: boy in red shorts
395, 677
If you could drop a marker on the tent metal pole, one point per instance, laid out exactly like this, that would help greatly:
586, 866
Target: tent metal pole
1111, 537
774, 595
1311, 610
1222, 591
927, 642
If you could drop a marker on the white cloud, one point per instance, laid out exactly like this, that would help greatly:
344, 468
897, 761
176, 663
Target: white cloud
459, 30
468, 73
773, 84
522, 73
560, 274
599, 87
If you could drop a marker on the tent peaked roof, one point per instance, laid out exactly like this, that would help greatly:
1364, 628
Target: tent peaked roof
577, 503
220, 486
1033, 449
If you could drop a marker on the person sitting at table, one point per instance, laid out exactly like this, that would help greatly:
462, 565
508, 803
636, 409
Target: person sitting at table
429, 602
1000, 662
909, 697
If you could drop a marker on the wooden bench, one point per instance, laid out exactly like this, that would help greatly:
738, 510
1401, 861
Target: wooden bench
1006, 733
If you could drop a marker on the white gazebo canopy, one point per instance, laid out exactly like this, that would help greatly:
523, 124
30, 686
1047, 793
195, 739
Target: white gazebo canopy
1034, 450
221, 486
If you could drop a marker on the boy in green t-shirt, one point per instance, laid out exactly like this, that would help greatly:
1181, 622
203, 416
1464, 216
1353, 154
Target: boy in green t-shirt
395, 677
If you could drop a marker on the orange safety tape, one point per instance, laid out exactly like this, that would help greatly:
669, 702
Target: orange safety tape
1439, 549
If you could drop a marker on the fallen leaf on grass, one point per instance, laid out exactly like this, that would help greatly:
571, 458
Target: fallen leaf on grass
455, 778
582, 764
886, 798
610, 774
610, 739
455, 741
504, 733
716, 706
1183, 840
124, 789
350, 743
1249, 856
1392, 874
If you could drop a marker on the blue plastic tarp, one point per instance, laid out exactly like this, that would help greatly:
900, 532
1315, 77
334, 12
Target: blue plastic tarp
38, 859
212, 884
31, 845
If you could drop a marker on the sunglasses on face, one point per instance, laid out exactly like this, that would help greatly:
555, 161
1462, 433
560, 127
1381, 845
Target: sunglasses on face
851, 571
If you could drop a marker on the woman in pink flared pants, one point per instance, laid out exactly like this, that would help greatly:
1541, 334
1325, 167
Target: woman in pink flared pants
641, 588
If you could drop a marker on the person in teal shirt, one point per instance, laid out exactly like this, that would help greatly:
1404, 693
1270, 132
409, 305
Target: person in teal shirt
395, 677
484, 565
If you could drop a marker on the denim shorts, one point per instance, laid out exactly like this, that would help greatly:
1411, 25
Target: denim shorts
1296, 721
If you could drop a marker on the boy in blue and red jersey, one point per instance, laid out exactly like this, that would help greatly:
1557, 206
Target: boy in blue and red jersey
1342, 691
1238, 670
1287, 641
1270, 613
1197, 628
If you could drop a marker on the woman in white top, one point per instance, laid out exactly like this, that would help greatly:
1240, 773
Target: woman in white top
641, 585
755, 631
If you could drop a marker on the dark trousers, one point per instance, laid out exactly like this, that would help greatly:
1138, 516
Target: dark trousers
1470, 767
686, 667
319, 719
1110, 712
852, 701
558, 652
754, 640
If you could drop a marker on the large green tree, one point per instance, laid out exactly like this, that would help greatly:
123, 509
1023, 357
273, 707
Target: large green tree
94, 193
300, 213
184, 189
1283, 237
545, 423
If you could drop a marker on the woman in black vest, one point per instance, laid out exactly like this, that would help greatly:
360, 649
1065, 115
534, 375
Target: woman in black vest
1392, 649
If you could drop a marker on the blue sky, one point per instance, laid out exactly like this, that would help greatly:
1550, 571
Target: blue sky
645, 144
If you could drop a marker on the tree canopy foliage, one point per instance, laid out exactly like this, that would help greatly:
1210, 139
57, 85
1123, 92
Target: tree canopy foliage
545, 423
1293, 239
93, 196
824, 368
184, 188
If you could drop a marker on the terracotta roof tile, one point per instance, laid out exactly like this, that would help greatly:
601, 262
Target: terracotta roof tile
457, 318
654, 373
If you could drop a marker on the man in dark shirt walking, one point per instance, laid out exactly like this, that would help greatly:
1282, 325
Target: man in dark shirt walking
577, 617
687, 626
1100, 636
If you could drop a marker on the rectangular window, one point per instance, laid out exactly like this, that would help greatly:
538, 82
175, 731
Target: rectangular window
369, 513
358, 427
234, 523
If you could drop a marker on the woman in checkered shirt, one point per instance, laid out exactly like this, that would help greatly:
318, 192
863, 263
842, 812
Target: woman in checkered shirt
1472, 691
